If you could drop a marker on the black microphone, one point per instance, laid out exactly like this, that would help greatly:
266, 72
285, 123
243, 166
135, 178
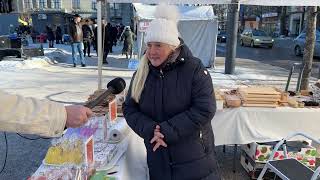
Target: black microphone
115, 86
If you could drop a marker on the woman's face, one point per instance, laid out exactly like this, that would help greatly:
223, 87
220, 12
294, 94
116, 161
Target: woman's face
157, 52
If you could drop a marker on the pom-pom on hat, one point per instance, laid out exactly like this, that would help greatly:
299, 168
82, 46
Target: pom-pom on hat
164, 27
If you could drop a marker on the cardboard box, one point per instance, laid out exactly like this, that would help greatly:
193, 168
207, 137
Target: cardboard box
260, 152
253, 168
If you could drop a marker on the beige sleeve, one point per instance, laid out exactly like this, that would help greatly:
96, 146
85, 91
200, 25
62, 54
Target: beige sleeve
31, 116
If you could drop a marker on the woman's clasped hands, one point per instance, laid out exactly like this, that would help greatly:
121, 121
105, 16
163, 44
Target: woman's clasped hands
158, 138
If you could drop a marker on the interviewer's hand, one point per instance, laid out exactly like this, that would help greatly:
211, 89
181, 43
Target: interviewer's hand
77, 115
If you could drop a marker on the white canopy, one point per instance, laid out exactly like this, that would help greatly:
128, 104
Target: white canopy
198, 28
145, 12
247, 2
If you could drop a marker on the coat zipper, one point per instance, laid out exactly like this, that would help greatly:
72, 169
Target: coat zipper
201, 140
169, 153
161, 74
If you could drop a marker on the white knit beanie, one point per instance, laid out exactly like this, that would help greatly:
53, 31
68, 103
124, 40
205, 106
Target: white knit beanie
164, 27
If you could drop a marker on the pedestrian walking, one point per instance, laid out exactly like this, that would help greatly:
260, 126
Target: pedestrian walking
76, 35
50, 36
128, 39
58, 35
107, 42
87, 38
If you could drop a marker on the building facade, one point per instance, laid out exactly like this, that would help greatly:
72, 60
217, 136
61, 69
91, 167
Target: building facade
54, 12
59, 12
298, 19
120, 13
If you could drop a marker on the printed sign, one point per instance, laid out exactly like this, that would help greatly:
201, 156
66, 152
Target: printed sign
143, 26
89, 151
113, 110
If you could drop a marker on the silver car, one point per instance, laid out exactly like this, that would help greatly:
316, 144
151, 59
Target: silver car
255, 38
299, 44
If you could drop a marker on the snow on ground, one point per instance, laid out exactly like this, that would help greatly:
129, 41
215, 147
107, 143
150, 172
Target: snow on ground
252, 73
54, 74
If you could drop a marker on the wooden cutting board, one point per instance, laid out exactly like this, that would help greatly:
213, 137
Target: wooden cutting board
259, 91
262, 99
260, 102
259, 95
260, 105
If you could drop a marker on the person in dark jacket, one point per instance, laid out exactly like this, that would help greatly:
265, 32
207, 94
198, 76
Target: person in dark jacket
114, 33
87, 37
76, 35
107, 43
58, 35
94, 38
170, 104
50, 36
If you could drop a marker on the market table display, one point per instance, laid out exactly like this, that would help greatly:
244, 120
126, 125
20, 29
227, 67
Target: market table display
243, 125
81, 150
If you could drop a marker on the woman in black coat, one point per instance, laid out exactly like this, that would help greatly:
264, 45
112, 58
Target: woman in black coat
58, 35
170, 104
50, 36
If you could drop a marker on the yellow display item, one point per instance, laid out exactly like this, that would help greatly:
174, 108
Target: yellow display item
65, 153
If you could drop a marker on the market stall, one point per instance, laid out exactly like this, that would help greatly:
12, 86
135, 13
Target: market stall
123, 155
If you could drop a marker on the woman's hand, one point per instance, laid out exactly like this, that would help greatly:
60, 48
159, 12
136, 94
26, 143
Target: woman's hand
158, 138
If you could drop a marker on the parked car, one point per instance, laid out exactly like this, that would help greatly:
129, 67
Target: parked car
300, 41
222, 36
255, 38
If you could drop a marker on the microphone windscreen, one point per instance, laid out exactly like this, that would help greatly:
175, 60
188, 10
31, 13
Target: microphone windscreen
118, 85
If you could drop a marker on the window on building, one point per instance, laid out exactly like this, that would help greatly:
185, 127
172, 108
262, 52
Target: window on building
42, 4
75, 4
6, 6
28, 4
115, 9
94, 5
56, 4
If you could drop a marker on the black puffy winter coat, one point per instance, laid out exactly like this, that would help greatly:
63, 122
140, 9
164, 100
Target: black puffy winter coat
87, 32
179, 98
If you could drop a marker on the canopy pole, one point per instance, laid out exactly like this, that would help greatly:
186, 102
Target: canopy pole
100, 53
140, 45
232, 30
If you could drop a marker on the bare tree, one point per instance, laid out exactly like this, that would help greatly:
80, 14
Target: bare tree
309, 47
220, 11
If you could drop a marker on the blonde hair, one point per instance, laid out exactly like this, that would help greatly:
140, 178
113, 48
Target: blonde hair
141, 76
140, 79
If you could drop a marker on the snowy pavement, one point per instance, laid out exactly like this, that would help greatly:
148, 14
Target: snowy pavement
53, 76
